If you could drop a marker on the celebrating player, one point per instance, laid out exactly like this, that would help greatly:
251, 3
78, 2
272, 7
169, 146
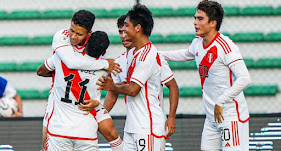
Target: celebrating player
69, 43
145, 121
79, 86
224, 76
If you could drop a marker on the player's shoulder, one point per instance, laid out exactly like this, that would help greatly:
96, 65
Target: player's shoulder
62, 36
148, 51
226, 44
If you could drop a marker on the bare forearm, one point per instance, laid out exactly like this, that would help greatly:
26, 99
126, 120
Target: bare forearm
110, 100
126, 89
174, 99
19, 102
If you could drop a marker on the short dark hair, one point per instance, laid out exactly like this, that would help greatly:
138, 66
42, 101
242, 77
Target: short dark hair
140, 14
213, 10
120, 21
97, 44
84, 19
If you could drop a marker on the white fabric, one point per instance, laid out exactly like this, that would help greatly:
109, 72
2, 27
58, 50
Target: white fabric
144, 70
231, 135
10, 91
122, 61
143, 142
62, 47
67, 120
221, 54
63, 144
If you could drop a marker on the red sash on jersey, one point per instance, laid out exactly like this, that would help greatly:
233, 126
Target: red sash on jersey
206, 64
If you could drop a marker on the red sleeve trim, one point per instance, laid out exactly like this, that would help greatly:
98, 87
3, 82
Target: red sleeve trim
234, 61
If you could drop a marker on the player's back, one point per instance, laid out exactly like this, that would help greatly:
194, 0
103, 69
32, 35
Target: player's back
70, 88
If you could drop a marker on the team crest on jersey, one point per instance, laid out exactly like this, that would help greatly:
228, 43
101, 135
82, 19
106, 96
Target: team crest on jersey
210, 57
64, 39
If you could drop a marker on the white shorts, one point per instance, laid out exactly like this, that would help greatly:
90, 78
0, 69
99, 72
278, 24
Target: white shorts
230, 135
48, 112
143, 142
66, 144
101, 113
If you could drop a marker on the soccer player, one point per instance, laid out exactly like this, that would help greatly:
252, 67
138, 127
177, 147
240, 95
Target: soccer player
145, 121
65, 43
167, 79
7, 90
67, 124
223, 75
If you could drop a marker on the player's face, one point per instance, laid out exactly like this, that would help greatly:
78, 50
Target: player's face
78, 34
202, 24
130, 30
122, 35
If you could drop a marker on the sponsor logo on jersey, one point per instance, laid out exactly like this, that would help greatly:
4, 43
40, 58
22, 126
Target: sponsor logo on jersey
64, 39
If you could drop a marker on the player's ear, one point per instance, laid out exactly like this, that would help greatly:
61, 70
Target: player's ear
89, 33
213, 23
138, 28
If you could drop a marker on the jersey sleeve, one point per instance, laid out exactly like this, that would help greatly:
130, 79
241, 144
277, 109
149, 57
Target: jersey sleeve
166, 72
66, 54
49, 63
144, 69
121, 77
231, 55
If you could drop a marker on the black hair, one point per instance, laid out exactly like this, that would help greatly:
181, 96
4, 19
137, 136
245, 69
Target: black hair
120, 21
84, 19
140, 14
213, 10
97, 44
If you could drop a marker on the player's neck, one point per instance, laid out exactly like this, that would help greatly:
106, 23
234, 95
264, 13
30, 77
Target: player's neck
209, 37
141, 42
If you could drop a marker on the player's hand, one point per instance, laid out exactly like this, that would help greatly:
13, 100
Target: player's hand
105, 83
89, 106
171, 125
218, 114
113, 67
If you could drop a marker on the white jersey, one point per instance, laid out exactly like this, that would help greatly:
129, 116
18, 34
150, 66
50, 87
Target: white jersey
144, 113
122, 61
214, 62
70, 88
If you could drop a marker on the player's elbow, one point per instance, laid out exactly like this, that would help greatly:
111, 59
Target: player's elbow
247, 81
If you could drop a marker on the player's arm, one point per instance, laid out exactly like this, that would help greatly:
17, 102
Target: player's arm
177, 55
11, 92
19, 112
66, 54
46, 68
110, 100
106, 83
174, 99
243, 80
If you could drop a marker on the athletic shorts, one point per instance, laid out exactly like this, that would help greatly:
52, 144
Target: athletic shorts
143, 142
230, 135
66, 144
101, 113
